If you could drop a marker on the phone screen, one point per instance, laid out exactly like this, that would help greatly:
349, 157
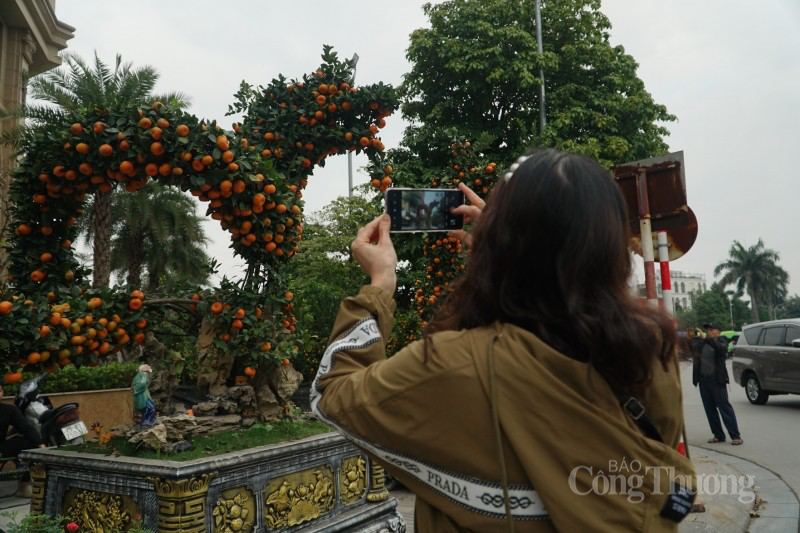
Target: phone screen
424, 209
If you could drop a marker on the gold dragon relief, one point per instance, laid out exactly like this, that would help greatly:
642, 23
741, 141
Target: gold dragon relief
352, 479
99, 512
299, 497
234, 512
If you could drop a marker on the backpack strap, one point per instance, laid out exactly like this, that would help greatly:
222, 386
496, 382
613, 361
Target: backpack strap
498, 438
636, 411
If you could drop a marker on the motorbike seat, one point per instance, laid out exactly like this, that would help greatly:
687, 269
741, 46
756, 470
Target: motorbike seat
53, 413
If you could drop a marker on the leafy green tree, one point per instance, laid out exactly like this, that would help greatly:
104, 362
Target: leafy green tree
686, 318
157, 231
79, 85
715, 305
475, 74
790, 308
711, 306
322, 272
739, 309
753, 270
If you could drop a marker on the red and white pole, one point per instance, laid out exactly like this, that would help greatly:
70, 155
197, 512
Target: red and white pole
666, 280
646, 233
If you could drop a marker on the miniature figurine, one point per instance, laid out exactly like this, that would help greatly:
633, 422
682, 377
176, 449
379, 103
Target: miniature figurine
142, 402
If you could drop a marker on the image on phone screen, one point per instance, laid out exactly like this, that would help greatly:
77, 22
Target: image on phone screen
414, 210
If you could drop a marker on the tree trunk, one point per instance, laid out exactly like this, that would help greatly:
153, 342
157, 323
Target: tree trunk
136, 260
102, 239
268, 405
153, 280
771, 308
165, 377
214, 366
754, 305
274, 387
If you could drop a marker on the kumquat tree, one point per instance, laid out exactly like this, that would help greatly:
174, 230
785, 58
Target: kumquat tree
252, 181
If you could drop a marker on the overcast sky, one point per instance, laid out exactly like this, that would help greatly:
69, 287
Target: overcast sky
728, 69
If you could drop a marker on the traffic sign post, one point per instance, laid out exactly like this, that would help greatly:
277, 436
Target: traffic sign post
655, 193
645, 229
666, 280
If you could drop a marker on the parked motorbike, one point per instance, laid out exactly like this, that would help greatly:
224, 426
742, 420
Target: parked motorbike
56, 426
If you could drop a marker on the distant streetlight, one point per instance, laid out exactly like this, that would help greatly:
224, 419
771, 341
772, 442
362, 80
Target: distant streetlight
350, 154
542, 115
730, 307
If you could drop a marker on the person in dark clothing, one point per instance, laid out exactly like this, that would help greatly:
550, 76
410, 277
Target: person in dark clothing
711, 374
26, 437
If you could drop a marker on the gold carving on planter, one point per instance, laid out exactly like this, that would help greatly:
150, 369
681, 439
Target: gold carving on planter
352, 479
182, 503
299, 497
377, 487
99, 511
234, 511
38, 486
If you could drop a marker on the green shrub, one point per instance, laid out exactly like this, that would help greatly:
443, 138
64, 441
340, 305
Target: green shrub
74, 379
137, 527
41, 523
36, 523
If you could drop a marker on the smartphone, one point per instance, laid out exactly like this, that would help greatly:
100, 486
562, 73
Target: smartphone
415, 210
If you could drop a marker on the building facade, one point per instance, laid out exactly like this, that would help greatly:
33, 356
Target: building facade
685, 287
30, 39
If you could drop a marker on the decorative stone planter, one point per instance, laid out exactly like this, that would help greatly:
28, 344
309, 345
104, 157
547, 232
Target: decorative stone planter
320, 483
110, 407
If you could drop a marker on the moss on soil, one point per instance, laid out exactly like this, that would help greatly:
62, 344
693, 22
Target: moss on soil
214, 444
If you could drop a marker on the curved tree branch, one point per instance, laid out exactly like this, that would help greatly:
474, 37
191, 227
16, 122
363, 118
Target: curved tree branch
169, 301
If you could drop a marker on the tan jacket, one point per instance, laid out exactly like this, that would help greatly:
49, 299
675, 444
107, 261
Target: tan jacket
574, 460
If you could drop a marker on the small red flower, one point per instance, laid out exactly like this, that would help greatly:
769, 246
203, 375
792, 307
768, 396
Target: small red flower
72, 526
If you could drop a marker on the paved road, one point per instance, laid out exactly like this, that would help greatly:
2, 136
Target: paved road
771, 432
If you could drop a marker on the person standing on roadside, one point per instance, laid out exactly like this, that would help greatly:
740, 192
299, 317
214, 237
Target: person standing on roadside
711, 374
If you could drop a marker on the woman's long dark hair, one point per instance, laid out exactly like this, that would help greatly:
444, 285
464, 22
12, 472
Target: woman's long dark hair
550, 255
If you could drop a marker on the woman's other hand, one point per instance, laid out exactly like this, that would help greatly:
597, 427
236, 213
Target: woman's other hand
471, 213
374, 251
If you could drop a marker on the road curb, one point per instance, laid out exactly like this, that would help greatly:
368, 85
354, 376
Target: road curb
777, 505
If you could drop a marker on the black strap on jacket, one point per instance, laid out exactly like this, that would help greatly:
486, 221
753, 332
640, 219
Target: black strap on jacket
636, 410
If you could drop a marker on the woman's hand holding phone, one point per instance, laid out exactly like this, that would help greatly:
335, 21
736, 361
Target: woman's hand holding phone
374, 251
471, 213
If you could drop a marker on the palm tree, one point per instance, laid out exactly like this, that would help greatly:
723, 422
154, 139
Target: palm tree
751, 269
157, 230
78, 86
776, 289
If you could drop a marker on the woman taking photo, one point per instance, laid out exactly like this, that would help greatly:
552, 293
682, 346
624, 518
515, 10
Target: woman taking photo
540, 377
